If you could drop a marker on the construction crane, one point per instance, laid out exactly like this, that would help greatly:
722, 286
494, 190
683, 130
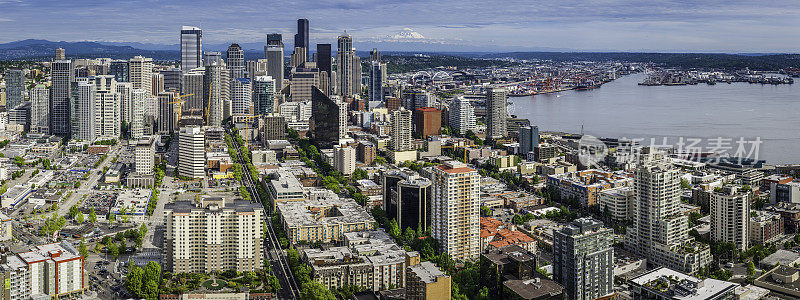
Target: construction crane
178, 99
454, 147
247, 126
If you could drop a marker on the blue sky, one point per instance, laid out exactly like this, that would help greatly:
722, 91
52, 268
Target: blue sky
664, 25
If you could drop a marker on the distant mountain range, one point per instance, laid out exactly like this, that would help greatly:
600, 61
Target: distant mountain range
40, 49
403, 45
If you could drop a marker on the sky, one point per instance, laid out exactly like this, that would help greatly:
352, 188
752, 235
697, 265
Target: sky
463, 25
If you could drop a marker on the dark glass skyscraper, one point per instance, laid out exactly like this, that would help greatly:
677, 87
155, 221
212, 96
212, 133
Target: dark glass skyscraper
301, 38
120, 69
324, 58
324, 125
62, 75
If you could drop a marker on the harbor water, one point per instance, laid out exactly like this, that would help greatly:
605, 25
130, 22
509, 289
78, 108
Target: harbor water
726, 112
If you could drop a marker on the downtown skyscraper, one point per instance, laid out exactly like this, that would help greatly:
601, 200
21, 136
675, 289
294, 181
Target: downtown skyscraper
217, 99
15, 88
40, 109
60, 94
191, 48
348, 67
496, 101
235, 61
264, 95
301, 38
273, 52
377, 77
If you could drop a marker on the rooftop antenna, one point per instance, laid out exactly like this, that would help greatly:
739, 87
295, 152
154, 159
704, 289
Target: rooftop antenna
581, 128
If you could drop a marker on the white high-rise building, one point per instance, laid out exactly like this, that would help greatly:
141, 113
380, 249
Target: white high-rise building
40, 109
456, 209
401, 130
191, 152
462, 115
213, 234
496, 113
217, 83
241, 97
125, 90
348, 67
141, 73
83, 109
342, 116
191, 48
660, 231
138, 115
730, 215
145, 153
107, 108
344, 159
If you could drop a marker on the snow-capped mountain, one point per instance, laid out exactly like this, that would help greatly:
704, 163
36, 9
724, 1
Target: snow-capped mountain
407, 34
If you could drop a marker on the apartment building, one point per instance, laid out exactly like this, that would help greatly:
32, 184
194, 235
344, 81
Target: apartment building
214, 234
426, 281
583, 259
369, 259
55, 270
585, 186
660, 231
730, 216
456, 209
618, 202
765, 227
323, 218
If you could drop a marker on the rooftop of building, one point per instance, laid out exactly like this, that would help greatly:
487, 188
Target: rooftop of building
536, 288
583, 226
681, 286
509, 254
781, 276
58, 252
427, 272
593, 177
453, 166
212, 204
783, 257
323, 211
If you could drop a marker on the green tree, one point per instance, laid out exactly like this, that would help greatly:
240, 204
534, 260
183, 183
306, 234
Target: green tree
751, 269
114, 250
73, 211
394, 229
486, 211
313, 290
92, 216
82, 249
517, 219
134, 282
79, 218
